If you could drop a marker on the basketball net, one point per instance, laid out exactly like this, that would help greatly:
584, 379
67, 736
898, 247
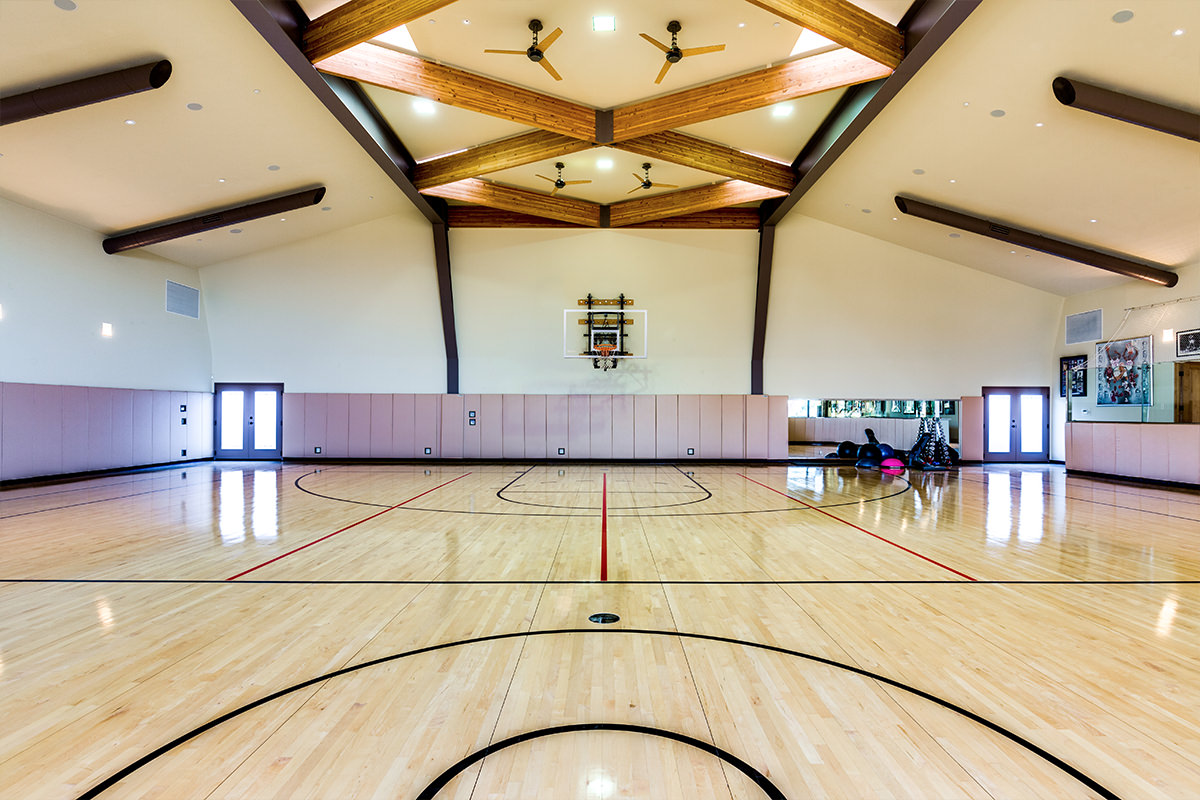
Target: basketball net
606, 360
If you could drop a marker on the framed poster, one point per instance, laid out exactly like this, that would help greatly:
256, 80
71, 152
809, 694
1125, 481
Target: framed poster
1074, 375
1123, 372
1187, 343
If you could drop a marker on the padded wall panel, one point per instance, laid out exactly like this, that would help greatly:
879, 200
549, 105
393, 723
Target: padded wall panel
1104, 447
293, 425
579, 426
490, 426
777, 439
1081, 447
689, 425
179, 431
600, 424
122, 428
733, 426
758, 408
427, 425
1155, 451
143, 426
512, 426
622, 426
99, 427
162, 427
666, 410
1183, 459
76, 455
1, 431
1128, 440
358, 429
535, 426
557, 427
710, 426
381, 426
472, 440
645, 426
207, 430
337, 425
316, 406
19, 440
404, 425
453, 413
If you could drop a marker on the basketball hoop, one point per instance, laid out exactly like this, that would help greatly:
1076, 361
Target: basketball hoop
606, 360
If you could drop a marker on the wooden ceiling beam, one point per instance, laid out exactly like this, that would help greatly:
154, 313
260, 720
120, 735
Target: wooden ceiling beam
689, 151
515, 151
483, 217
520, 200
381, 66
361, 20
716, 219
800, 78
744, 219
845, 23
688, 201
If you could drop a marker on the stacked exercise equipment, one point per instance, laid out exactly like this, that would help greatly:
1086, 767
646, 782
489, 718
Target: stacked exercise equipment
931, 450
872, 455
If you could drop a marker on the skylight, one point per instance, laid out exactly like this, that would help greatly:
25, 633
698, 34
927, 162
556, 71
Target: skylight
399, 37
810, 42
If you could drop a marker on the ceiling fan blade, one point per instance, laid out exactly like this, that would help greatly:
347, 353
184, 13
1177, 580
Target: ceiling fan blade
634, 189
544, 44
573, 183
508, 52
655, 42
637, 177
662, 73
698, 51
554, 192
543, 177
545, 64
666, 186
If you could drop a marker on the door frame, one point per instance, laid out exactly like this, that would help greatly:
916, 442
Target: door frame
248, 453
1014, 453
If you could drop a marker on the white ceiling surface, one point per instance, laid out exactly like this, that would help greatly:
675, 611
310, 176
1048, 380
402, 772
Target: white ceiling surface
1142, 187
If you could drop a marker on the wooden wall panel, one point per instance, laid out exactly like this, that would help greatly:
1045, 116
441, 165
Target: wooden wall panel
645, 424
777, 439
381, 426
689, 426
491, 426
758, 407
666, 409
579, 426
710, 426
733, 426
600, 437
427, 425
557, 427
75, 420
337, 425
512, 425
315, 407
622, 426
404, 430
453, 414
358, 427
535, 426
293, 424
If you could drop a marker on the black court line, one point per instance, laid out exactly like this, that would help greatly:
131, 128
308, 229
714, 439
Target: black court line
110, 499
513, 582
1073, 772
500, 494
1017, 488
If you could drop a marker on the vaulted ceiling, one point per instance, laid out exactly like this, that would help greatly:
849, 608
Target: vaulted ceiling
729, 133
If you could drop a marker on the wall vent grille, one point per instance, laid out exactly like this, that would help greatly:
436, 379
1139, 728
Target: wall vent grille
1087, 326
183, 300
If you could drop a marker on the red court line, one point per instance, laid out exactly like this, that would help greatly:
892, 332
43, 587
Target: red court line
348, 527
864, 530
604, 528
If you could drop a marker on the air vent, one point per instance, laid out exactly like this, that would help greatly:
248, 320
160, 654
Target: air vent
1000, 229
210, 219
183, 300
1087, 326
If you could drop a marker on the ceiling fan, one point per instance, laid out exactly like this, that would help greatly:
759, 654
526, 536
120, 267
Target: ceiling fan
558, 182
674, 54
537, 54
646, 183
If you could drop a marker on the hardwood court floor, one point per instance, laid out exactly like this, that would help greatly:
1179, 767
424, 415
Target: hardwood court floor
238, 630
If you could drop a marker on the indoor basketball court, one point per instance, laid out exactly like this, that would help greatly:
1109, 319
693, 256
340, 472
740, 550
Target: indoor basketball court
249, 629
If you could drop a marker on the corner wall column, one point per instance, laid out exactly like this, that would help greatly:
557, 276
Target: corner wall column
762, 296
441, 254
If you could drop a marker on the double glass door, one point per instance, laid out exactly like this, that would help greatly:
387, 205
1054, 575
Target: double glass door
249, 421
1016, 423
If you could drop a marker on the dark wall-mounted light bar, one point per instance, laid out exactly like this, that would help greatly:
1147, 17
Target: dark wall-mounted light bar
1127, 108
84, 92
212, 220
1036, 241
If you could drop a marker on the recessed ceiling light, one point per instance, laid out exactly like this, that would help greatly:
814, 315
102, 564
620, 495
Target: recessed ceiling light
131, 122
1039, 125
965, 103
604, 23
273, 167
66, 5
424, 107
235, 230
999, 112
952, 180
604, 163
1122, 16
466, 22
220, 180
1178, 32
1091, 220
782, 110
741, 24
257, 91
327, 208
283, 219
194, 106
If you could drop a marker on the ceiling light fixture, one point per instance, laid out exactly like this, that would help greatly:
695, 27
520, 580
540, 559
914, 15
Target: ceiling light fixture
212, 220
604, 163
1122, 16
1036, 241
1178, 32
131, 122
84, 92
194, 107
782, 110
424, 107
1127, 108
106, 330
604, 23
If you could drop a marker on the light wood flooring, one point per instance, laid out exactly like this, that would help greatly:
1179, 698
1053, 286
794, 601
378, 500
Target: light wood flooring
258, 630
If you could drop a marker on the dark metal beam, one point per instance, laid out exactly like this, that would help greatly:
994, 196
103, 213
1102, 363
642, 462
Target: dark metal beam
441, 255
1036, 241
762, 300
84, 91
937, 19
1127, 108
356, 121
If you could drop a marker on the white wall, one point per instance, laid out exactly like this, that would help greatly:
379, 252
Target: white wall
352, 311
57, 285
855, 317
511, 286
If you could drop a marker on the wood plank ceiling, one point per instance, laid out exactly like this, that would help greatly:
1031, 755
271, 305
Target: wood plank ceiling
339, 43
